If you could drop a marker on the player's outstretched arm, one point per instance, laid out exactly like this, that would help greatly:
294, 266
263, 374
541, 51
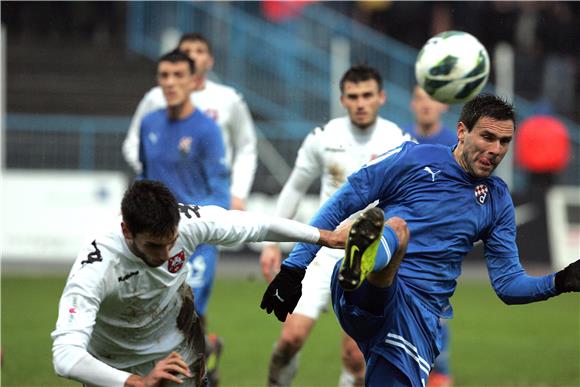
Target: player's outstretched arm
568, 279
166, 369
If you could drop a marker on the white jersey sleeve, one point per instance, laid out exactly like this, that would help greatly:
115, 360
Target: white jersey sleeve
151, 101
78, 309
215, 225
307, 167
245, 157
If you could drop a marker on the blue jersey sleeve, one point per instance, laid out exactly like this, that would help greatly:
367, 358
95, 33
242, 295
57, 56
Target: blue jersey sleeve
370, 183
214, 163
508, 277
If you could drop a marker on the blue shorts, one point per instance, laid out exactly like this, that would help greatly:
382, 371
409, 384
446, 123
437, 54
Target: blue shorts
202, 264
389, 322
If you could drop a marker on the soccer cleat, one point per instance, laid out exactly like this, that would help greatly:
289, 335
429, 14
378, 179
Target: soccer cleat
361, 248
214, 349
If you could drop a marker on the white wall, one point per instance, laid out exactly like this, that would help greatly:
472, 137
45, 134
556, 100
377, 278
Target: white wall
46, 215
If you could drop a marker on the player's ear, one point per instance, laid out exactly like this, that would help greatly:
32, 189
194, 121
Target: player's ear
210, 63
382, 96
461, 131
126, 232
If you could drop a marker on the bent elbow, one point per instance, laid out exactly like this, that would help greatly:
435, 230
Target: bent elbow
62, 357
506, 299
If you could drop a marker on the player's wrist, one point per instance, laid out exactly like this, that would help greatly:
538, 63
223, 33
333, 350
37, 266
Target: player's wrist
134, 381
270, 244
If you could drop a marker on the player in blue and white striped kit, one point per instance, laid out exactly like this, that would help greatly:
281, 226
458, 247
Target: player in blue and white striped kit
183, 148
390, 290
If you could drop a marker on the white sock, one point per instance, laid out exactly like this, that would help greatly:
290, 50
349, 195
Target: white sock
282, 369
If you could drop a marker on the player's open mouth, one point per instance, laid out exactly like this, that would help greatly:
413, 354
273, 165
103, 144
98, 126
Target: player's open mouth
486, 163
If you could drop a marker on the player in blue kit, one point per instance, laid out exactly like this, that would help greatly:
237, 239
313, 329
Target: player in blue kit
395, 281
428, 127
183, 148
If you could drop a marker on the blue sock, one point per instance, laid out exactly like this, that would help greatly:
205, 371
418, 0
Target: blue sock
387, 247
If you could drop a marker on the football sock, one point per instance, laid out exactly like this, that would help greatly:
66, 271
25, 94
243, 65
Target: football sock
283, 368
389, 244
347, 379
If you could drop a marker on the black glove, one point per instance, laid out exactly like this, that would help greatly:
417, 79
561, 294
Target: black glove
283, 292
568, 280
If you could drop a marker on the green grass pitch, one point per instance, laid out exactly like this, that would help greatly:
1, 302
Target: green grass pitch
492, 344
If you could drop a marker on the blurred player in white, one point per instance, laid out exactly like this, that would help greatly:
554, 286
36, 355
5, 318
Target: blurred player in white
331, 152
126, 315
223, 104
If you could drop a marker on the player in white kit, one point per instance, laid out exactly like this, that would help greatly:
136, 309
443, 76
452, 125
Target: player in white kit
126, 315
331, 152
221, 103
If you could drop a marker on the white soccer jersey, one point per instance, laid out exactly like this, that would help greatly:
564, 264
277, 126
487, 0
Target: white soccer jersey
229, 110
125, 313
333, 152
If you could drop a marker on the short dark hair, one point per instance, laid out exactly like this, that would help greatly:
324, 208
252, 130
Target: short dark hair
360, 73
486, 105
175, 56
149, 206
195, 37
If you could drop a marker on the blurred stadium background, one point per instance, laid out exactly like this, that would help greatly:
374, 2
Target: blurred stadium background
73, 73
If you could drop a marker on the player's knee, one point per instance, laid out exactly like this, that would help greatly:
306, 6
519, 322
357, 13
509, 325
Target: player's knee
353, 360
401, 229
291, 342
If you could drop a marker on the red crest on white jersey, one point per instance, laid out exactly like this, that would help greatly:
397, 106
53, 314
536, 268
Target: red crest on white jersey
481, 193
176, 262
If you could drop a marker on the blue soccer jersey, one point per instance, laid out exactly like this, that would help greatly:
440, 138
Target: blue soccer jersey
447, 211
187, 155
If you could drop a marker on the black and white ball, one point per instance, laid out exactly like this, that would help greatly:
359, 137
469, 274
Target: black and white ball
452, 67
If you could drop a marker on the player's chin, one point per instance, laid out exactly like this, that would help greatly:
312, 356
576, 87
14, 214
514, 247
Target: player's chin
363, 123
154, 262
484, 172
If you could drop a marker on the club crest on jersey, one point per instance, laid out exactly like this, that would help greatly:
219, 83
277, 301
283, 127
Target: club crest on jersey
211, 113
176, 262
185, 145
481, 194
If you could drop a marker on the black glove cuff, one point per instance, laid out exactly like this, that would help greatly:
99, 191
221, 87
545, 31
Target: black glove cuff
559, 282
293, 274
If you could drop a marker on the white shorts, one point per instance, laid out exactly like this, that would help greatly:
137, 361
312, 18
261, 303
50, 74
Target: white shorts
316, 283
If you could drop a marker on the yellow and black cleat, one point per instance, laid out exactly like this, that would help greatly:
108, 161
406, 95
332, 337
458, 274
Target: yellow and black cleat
361, 248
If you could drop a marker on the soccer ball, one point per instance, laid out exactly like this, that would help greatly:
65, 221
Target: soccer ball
452, 67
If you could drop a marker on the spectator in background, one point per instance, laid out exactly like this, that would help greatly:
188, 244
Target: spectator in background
542, 149
223, 104
183, 148
428, 128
